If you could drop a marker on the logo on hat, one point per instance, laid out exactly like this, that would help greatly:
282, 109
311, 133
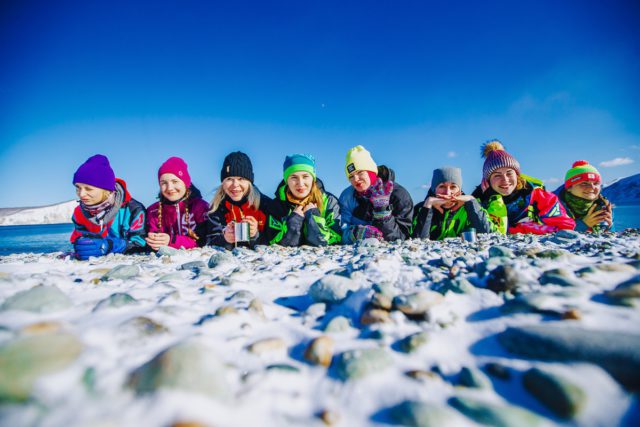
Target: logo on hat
351, 168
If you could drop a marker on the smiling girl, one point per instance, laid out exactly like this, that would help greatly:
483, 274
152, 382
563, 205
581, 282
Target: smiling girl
517, 203
304, 213
108, 220
172, 220
581, 196
237, 200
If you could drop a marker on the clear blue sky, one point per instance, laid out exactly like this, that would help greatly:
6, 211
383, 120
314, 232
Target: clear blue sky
420, 84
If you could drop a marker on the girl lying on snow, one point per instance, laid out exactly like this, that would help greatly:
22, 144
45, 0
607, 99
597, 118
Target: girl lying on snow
303, 214
107, 220
580, 195
171, 221
447, 211
374, 205
237, 200
515, 202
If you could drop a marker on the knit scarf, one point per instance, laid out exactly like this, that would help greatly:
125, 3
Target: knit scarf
104, 212
300, 202
577, 205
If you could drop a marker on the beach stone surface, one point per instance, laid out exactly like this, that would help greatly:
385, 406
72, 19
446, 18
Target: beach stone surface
40, 299
561, 396
356, 364
332, 288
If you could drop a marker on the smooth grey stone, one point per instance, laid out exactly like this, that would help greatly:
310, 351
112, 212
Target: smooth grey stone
558, 279
496, 415
333, 288
338, 324
370, 242
413, 342
417, 303
459, 285
146, 326
39, 299
553, 254
503, 278
526, 303
627, 289
117, 300
172, 277
193, 266
355, 364
500, 251
418, 414
562, 397
616, 352
26, 359
222, 259
122, 272
167, 251
474, 378
568, 234
187, 366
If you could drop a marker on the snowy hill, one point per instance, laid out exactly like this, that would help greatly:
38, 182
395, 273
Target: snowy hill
624, 191
53, 214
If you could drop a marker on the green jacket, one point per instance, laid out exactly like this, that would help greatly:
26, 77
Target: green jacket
433, 225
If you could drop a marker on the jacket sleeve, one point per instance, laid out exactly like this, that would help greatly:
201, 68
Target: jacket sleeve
152, 219
183, 242
136, 232
324, 230
422, 222
288, 230
478, 218
550, 211
210, 231
79, 229
398, 225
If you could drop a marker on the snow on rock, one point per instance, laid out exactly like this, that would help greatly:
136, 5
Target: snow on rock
525, 330
53, 214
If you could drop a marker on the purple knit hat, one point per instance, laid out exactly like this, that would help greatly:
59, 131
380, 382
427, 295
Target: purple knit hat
96, 171
495, 158
178, 167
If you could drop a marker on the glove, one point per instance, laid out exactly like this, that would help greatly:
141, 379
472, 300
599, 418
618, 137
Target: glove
86, 247
379, 195
361, 232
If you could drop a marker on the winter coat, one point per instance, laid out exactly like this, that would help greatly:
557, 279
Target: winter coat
530, 210
287, 228
174, 220
356, 209
127, 222
433, 225
210, 231
580, 225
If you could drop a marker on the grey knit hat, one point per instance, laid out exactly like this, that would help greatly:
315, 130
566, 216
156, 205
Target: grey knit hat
446, 174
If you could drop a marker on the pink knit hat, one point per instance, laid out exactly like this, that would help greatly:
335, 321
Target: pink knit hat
178, 167
495, 158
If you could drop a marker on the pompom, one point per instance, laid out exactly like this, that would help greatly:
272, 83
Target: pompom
490, 146
579, 163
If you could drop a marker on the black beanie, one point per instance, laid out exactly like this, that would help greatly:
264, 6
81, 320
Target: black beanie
237, 164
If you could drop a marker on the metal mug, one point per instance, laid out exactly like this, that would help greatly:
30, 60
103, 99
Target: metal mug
241, 230
469, 236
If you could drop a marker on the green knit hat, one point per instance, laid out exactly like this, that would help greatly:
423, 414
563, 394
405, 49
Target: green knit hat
299, 162
581, 171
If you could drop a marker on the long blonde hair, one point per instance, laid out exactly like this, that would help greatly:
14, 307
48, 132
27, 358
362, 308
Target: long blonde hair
253, 197
315, 196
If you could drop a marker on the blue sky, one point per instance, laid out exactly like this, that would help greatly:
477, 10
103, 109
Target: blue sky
419, 83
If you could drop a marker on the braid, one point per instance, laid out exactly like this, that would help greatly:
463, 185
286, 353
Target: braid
190, 232
160, 217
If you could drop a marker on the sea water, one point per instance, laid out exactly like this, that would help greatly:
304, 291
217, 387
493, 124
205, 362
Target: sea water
55, 237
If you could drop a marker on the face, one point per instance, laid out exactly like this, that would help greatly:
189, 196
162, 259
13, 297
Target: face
235, 187
447, 190
90, 195
360, 180
587, 190
300, 184
504, 181
172, 187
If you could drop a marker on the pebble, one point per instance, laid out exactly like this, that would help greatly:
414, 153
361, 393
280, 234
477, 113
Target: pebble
474, 378
413, 342
222, 259
500, 251
371, 316
417, 303
167, 251
561, 396
356, 364
122, 272
267, 345
627, 289
495, 415
332, 288
320, 351
39, 299
418, 414
116, 300
503, 278
497, 370
337, 324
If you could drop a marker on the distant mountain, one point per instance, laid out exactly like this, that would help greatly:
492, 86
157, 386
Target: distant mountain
52, 214
624, 191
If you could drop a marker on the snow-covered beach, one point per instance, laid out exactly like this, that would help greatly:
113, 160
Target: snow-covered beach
521, 331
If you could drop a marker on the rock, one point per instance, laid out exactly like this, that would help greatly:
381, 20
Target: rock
424, 376
627, 289
458, 285
122, 272
195, 266
26, 359
241, 297
40, 328
616, 268
222, 259
255, 306
562, 278
329, 417
320, 351
497, 370
356, 364
338, 324
267, 345
283, 367
374, 315
568, 234
535, 302
167, 251
146, 326
562, 397
553, 254
474, 378
316, 310
413, 342
495, 415
332, 288
572, 314
370, 242
616, 352
418, 414
172, 277
382, 301
187, 366
500, 251
417, 303
226, 310
39, 299
116, 300
503, 278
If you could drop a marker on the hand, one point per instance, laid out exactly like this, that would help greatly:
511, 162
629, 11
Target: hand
86, 247
460, 200
299, 210
360, 232
229, 233
436, 203
309, 206
155, 240
379, 194
253, 225
595, 217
